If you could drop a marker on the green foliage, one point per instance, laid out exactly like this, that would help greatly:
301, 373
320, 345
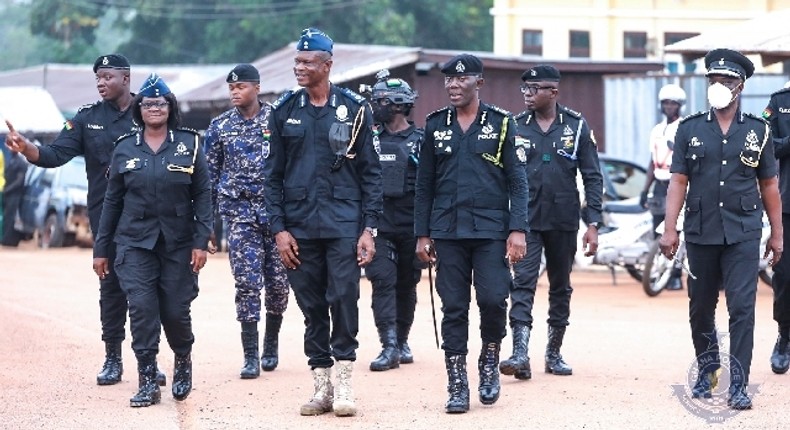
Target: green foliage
71, 24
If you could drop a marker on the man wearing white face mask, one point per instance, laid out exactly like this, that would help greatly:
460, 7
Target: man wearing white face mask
725, 159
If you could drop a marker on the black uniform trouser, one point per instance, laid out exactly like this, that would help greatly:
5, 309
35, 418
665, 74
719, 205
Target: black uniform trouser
560, 249
11, 202
327, 280
735, 267
781, 282
394, 277
457, 261
112, 304
160, 287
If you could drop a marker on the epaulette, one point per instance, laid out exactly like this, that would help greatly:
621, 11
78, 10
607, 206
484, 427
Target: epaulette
437, 112
352, 95
123, 136
498, 110
571, 112
693, 115
783, 90
87, 106
188, 130
753, 116
521, 115
282, 99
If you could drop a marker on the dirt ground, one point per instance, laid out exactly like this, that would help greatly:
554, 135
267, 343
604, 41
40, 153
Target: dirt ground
627, 351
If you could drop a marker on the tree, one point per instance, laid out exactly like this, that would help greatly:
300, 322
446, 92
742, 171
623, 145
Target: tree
72, 25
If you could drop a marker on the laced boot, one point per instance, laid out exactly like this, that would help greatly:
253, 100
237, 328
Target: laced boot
739, 399
780, 357
343, 404
706, 383
182, 376
112, 369
148, 393
554, 362
321, 401
489, 373
271, 335
389, 358
161, 378
457, 384
406, 356
249, 341
518, 363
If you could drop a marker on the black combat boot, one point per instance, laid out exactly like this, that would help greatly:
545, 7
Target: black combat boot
182, 376
739, 398
249, 341
457, 385
554, 362
112, 369
706, 382
389, 358
148, 393
161, 379
780, 357
518, 363
269, 359
406, 356
489, 373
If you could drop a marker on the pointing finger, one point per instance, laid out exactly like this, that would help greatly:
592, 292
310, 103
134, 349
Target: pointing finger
10, 126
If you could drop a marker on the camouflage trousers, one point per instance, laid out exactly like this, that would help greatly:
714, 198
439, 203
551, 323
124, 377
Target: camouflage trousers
256, 265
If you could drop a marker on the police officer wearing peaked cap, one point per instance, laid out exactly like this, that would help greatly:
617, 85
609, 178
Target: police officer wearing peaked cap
470, 218
323, 193
724, 170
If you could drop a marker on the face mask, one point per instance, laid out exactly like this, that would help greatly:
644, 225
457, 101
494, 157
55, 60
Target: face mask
719, 96
383, 114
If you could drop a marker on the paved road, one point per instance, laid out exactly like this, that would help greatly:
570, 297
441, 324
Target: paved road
626, 349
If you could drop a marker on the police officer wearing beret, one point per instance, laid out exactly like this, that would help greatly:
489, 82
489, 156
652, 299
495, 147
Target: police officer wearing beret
237, 143
724, 170
323, 191
556, 143
92, 133
158, 211
778, 114
470, 219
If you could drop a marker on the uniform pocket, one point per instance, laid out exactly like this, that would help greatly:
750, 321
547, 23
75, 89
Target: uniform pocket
694, 157
565, 210
751, 219
489, 219
346, 205
693, 222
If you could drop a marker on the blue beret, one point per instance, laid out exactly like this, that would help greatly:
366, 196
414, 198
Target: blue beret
313, 39
727, 62
541, 72
111, 61
154, 86
244, 73
464, 64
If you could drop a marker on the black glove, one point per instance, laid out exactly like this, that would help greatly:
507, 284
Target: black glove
643, 199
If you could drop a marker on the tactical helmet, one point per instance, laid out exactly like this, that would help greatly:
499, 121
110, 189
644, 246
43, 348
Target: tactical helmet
672, 92
395, 90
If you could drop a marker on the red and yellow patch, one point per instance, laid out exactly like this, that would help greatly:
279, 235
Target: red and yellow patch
68, 125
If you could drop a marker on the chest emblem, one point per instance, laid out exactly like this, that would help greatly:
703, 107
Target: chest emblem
443, 135
341, 113
567, 131
521, 153
181, 149
131, 163
695, 142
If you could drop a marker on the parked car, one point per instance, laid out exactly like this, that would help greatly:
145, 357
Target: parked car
622, 179
54, 206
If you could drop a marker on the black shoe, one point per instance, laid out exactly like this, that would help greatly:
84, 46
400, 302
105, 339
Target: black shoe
739, 399
161, 378
457, 385
780, 357
487, 366
112, 369
554, 361
518, 363
182, 376
389, 357
271, 335
148, 393
249, 342
705, 384
406, 356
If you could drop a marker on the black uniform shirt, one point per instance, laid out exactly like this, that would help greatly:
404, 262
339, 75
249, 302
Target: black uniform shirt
553, 159
91, 133
723, 204
399, 156
470, 185
778, 115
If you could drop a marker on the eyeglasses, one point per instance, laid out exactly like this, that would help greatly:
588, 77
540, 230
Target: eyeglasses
154, 105
533, 89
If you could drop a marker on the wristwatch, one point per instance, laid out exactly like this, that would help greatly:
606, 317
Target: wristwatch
373, 231
595, 224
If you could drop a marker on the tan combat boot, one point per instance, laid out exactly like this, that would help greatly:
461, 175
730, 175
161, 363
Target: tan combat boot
321, 402
344, 399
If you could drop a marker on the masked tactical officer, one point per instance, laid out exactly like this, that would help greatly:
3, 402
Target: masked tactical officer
393, 271
323, 191
470, 217
778, 114
237, 144
725, 157
92, 133
556, 143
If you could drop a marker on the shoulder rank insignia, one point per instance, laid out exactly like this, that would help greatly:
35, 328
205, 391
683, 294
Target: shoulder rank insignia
522, 114
437, 112
124, 136
87, 106
352, 95
572, 112
282, 99
692, 115
498, 110
753, 116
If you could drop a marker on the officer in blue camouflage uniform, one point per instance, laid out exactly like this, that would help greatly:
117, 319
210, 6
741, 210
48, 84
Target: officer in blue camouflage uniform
557, 143
237, 144
92, 133
394, 271
471, 201
778, 114
323, 193
157, 211
724, 169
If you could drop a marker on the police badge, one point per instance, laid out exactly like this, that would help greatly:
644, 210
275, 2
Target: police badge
522, 154
181, 149
342, 113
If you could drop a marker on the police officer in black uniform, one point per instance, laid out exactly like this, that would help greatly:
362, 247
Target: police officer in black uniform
778, 114
726, 159
470, 218
323, 191
158, 211
393, 272
92, 133
557, 143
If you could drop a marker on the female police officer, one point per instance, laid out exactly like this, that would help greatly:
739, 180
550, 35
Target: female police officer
158, 211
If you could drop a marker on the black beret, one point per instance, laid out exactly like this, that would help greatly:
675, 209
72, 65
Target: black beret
464, 64
541, 72
313, 39
727, 62
112, 61
244, 73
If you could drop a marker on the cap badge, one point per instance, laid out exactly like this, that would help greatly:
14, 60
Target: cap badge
342, 113
721, 62
105, 61
459, 67
234, 77
533, 72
